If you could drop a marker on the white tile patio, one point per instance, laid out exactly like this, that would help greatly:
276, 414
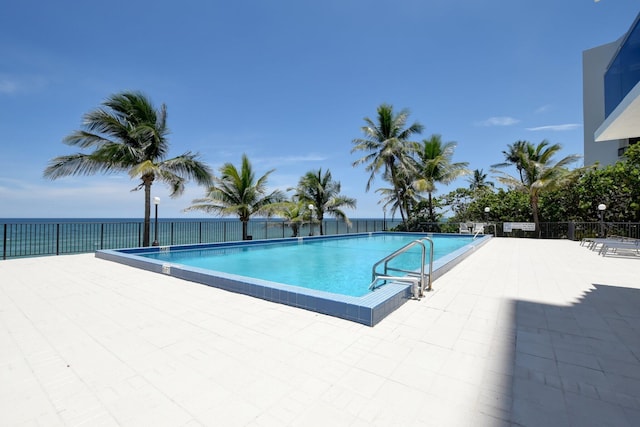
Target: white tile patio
523, 332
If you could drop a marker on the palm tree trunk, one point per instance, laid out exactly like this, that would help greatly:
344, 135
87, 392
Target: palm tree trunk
397, 190
147, 211
431, 219
401, 206
534, 210
244, 230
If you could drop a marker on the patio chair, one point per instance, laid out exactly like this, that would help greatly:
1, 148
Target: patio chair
596, 243
464, 228
478, 228
621, 248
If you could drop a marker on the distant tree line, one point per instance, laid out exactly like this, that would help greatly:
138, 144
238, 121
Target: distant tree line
573, 198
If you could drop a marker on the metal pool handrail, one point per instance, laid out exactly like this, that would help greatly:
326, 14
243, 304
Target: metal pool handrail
411, 274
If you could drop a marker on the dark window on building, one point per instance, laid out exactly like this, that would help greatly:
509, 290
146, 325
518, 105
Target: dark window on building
631, 141
623, 72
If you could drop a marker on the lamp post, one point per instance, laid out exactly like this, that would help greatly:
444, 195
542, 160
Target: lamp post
601, 208
487, 209
156, 202
311, 208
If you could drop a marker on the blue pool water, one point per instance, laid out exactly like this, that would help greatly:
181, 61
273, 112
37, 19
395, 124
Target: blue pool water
341, 266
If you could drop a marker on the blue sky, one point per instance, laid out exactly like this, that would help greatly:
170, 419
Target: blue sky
288, 82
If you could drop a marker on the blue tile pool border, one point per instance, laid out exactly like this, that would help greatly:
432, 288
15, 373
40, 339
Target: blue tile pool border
369, 309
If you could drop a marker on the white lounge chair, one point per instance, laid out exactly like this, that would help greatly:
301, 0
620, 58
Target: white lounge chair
478, 228
596, 243
627, 247
464, 228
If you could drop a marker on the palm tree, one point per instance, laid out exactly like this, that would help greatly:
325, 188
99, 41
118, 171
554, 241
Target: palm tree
434, 165
129, 135
323, 193
238, 192
479, 181
539, 173
293, 213
404, 194
515, 155
387, 144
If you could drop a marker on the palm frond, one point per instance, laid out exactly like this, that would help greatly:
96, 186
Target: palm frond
77, 164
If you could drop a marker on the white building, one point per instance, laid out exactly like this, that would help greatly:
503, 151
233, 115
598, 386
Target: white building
611, 97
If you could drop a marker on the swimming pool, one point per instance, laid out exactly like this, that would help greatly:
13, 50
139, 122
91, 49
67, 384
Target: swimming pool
327, 274
341, 266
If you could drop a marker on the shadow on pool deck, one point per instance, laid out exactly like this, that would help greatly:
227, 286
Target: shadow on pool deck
578, 365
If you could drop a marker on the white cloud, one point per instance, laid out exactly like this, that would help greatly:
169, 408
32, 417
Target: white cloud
543, 109
288, 160
558, 128
499, 121
296, 159
10, 85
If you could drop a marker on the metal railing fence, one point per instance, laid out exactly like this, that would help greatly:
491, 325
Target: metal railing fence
27, 239
548, 230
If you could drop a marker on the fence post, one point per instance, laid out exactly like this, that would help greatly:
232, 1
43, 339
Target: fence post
571, 231
57, 239
4, 242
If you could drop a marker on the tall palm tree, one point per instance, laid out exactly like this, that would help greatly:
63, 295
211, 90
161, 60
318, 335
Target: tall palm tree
320, 190
539, 173
238, 192
435, 165
129, 135
387, 144
479, 181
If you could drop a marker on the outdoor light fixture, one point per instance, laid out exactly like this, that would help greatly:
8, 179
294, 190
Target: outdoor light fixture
487, 209
311, 208
601, 208
156, 201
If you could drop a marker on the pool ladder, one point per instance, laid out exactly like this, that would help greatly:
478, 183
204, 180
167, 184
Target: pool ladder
417, 278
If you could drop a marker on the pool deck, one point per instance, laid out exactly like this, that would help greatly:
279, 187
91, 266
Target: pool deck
523, 332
